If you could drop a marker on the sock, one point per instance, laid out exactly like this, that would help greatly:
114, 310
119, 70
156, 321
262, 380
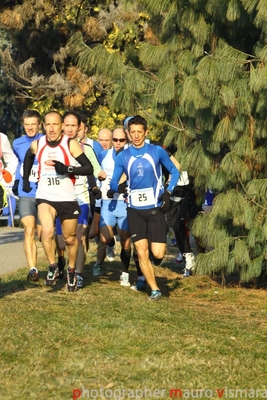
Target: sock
137, 265
125, 258
157, 261
61, 262
97, 264
112, 243
142, 278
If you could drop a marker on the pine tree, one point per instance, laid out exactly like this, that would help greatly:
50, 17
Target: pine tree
37, 66
199, 75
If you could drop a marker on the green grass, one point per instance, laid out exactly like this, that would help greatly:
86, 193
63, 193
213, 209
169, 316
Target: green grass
199, 336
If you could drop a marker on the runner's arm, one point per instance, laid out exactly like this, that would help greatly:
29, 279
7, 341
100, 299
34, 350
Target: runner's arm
169, 165
86, 167
118, 171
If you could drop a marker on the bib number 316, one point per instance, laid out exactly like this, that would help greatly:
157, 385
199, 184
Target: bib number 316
53, 181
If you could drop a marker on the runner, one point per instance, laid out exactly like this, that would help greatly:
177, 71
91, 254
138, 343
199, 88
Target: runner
147, 200
55, 196
31, 121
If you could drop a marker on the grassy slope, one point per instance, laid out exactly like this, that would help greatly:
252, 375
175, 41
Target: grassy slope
199, 336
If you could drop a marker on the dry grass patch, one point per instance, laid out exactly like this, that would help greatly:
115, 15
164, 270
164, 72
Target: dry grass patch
200, 335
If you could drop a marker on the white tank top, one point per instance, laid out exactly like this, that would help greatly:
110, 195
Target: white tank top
108, 165
81, 187
52, 186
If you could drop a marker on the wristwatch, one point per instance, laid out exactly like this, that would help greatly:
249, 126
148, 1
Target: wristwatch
70, 169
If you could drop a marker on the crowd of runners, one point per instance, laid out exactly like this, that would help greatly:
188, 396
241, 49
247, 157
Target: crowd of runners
71, 189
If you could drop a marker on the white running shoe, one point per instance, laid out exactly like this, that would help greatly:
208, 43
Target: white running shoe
186, 273
189, 264
111, 252
124, 278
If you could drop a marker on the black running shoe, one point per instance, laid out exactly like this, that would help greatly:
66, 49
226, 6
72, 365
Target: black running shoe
33, 275
72, 283
52, 275
61, 265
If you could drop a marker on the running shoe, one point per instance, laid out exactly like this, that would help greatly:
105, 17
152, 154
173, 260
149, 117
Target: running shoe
186, 273
179, 259
79, 281
72, 281
111, 252
140, 285
173, 243
189, 264
97, 270
155, 295
33, 275
61, 265
52, 275
124, 279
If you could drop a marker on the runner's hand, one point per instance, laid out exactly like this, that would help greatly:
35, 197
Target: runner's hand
60, 168
110, 194
122, 188
166, 202
26, 186
15, 188
7, 176
97, 193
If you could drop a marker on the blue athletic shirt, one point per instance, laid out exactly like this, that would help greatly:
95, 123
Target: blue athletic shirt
20, 147
103, 154
142, 167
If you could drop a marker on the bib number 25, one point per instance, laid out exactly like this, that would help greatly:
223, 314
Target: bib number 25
142, 197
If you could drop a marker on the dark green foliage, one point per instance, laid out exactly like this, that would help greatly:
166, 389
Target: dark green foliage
196, 70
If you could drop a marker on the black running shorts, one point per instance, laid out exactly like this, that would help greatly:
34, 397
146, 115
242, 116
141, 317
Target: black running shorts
147, 224
64, 209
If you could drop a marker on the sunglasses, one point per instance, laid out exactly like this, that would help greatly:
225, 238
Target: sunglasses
118, 140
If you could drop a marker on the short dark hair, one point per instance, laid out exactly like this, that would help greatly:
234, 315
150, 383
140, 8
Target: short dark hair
137, 120
84, 119
75, 113
31, 114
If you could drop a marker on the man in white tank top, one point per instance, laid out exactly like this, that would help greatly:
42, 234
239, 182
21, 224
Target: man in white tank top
55, 195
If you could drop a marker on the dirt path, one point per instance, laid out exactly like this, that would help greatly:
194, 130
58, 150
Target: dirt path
11, 250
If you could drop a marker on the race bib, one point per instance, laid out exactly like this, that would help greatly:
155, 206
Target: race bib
142, 197
52, 181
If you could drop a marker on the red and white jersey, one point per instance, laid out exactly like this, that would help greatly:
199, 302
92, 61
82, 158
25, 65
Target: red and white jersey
52, 186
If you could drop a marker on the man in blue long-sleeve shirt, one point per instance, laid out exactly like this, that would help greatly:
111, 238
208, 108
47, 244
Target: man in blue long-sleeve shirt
147, 199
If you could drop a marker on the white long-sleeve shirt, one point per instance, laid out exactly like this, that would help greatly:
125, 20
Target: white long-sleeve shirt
8, 159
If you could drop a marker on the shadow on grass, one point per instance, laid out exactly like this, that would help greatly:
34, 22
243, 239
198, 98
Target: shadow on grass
17, 282
16, 285
233, 281
112, 272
